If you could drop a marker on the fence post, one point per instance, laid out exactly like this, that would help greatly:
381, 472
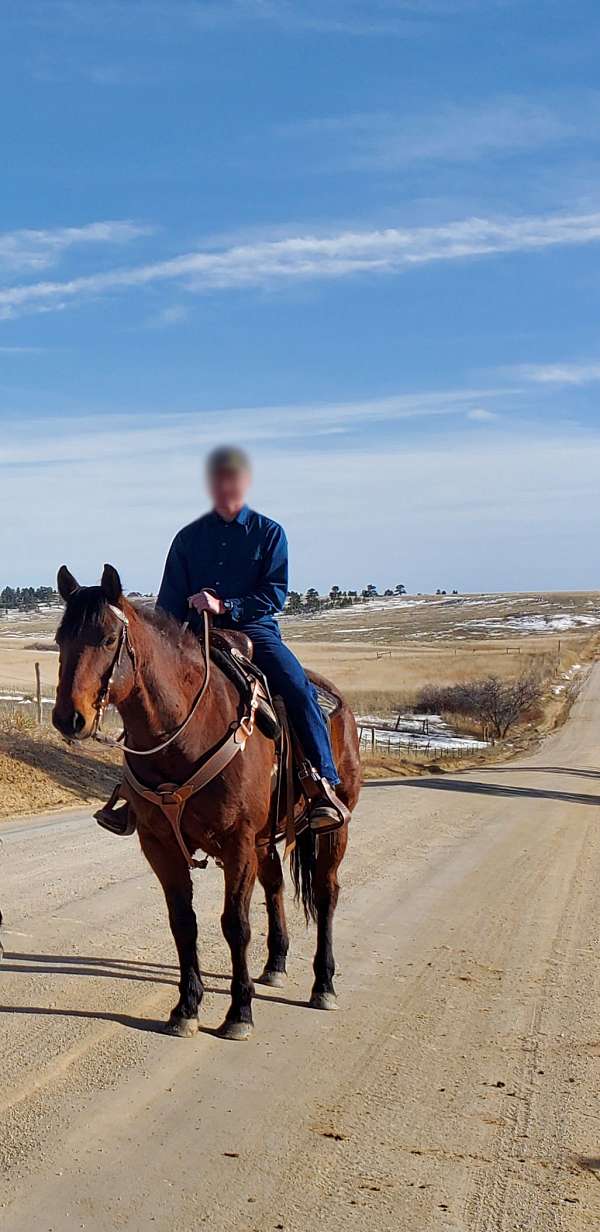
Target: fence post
38, 694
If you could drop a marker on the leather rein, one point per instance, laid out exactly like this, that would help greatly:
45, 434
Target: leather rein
171, 798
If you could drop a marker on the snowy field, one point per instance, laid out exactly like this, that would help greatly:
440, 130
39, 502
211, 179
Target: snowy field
417, 732
449, 617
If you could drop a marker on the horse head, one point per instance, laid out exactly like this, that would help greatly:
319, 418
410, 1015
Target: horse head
89, 638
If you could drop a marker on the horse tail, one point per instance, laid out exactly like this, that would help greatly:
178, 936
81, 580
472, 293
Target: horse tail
303, 863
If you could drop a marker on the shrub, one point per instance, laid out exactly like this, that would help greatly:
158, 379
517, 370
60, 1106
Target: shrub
497, 705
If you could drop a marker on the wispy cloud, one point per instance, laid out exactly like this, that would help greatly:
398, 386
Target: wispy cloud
30, 250
172, 314
21, 350
310, 257
452, 133
480, 414
294, 423
344, 17
435, 492
560, 374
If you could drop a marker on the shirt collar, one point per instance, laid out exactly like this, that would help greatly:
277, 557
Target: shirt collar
242, 518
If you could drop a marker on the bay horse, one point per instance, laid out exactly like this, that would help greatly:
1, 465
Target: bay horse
151, 669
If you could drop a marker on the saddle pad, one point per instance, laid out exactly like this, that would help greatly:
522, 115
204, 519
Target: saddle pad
328, 702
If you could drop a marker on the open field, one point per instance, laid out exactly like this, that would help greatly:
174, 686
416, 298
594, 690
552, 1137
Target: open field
384, 651
455, 1091
420, 639
386, 621
380, 654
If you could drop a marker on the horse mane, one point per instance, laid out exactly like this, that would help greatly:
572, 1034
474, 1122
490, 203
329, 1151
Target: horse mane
87, 608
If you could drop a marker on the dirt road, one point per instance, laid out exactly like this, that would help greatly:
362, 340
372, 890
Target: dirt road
458, 1088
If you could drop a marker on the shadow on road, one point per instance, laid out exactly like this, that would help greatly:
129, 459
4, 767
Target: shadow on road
125, 1020
590, 1164
115, 969
473, 787
55, 965
583, 774
77, 960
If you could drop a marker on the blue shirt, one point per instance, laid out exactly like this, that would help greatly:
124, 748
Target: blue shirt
244, 561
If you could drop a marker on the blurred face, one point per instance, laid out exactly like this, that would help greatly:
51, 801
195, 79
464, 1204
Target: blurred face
228, 487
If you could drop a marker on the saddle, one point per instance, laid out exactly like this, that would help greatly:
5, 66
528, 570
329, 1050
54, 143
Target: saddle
232, 651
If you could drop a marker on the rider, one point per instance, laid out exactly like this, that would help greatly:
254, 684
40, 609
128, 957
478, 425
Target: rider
233, 563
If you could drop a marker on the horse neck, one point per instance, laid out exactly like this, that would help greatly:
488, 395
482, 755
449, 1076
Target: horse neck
167, 678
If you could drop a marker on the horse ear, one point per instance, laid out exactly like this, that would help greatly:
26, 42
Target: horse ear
111, 585
66, 583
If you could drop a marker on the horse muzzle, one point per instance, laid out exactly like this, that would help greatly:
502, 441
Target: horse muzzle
71, 723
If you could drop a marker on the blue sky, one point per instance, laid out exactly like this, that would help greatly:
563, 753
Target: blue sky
359, 236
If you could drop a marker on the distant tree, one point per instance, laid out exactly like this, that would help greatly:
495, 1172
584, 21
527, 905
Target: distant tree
8, 597
27, 598
311, 600
370, 591
294, 605
400, 589
388, 593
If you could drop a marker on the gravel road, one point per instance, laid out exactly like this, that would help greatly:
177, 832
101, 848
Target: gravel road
457, 1089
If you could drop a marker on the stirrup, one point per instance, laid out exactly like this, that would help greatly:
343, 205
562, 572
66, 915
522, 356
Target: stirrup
119, 821
324, 818
326, 812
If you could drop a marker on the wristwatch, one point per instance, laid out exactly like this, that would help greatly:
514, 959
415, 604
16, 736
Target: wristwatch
227, 605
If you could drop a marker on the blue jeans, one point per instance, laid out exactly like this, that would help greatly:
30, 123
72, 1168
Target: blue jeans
287, 677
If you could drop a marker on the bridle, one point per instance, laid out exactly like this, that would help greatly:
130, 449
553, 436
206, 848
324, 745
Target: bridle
125, 643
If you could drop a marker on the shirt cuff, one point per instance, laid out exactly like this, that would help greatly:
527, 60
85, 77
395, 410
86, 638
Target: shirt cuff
236, 611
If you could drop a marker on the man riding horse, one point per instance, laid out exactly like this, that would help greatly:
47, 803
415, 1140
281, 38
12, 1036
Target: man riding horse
233, 564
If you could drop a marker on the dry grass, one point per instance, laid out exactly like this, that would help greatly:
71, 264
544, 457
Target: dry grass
383, 623
38, 771
385, 686
404, 765
381, 670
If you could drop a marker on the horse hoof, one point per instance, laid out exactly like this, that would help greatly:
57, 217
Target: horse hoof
235, 1030
272, 979
182, 1027
323, 1001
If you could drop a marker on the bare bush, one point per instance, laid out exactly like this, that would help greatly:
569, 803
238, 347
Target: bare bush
495, 704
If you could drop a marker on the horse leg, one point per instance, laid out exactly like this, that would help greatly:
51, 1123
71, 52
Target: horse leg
240, 875
326, 890
270, 875
174, 876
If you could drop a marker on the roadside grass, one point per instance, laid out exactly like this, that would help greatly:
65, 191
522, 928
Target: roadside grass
552, 712
38, 771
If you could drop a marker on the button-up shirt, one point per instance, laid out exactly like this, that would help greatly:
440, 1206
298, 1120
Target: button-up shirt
244, 561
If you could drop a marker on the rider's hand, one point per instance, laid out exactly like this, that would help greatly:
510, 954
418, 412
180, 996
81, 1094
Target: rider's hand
204, 601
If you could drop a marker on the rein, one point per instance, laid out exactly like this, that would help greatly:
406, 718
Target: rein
125, 643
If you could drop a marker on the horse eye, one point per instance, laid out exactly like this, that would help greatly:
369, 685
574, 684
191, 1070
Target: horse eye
110, 641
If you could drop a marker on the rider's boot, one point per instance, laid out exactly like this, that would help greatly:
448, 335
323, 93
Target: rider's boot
326, 812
